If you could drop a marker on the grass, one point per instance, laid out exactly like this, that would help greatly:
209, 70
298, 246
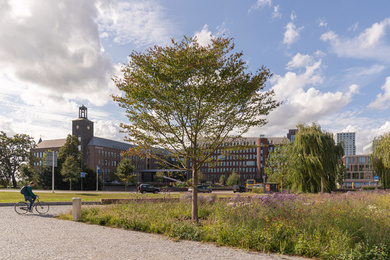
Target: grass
61, 196
326, 226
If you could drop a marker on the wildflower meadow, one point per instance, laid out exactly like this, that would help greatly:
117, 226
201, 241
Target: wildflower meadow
352, 225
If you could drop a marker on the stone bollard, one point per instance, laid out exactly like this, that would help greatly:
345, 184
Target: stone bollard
76, 209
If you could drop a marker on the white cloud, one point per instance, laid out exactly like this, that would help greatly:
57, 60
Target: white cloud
276, 14
299, 61
108, 129
322, 22
292, 32
303, 102
293, 16
204, 36
260, 3
367, 45
140, 22
55, 51
382, 101
354, 27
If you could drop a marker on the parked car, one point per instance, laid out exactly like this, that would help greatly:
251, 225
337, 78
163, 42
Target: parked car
201, 189
148, 188
239, 188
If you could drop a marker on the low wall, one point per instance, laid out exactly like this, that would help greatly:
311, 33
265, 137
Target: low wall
137, 200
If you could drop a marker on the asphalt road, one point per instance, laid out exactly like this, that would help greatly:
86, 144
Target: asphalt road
35, 236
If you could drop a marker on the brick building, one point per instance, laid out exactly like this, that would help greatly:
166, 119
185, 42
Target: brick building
98, 151
248, 163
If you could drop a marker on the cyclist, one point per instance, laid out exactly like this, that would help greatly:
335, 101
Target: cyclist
29, 195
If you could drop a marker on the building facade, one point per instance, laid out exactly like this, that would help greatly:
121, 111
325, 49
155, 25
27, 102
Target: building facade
347, 140
99, 152
248, 162
359, 171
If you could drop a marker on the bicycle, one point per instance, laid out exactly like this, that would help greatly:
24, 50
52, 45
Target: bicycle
21, 207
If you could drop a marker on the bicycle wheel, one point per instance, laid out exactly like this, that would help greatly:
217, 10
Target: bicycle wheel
42, 207
21, 207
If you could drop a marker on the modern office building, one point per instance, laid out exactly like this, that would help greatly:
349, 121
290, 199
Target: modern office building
347, 140
360, 171
291, 134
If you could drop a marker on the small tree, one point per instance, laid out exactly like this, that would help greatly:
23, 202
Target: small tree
278, 163
233, 179
70, 170
125, 172
159, 176
222, 179
188, 99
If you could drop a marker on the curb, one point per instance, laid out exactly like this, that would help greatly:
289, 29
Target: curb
59, 203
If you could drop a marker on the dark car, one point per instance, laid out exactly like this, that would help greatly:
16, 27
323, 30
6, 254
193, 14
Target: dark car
148, 188
239, 188
201, 189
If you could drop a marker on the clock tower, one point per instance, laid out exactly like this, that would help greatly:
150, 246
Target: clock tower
82, 128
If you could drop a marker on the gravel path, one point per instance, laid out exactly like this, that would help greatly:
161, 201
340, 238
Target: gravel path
33, 236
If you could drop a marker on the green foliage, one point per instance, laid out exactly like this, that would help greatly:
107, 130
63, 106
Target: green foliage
70, 170
27, 173
187, 99
316, 160
14, 151
233, 179
381, 159
279, 164
125, 172
71, 147
222, 180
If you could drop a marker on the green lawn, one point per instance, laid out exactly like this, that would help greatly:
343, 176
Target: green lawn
9, 197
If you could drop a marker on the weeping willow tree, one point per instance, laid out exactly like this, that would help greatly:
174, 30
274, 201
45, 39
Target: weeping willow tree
381, 159
316, 160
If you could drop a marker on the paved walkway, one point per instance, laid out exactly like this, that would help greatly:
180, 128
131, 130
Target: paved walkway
33, 236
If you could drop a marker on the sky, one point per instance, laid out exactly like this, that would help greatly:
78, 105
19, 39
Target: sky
330, 59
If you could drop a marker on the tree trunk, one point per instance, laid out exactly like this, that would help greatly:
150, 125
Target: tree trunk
322, 184
194, 195
70, 186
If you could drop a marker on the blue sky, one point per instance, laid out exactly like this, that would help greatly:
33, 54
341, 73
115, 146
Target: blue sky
330, 59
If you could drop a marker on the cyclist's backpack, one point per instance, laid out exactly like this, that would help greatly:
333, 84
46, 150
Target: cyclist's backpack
23, 190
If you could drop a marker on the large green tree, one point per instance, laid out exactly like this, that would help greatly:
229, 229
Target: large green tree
125, 171
381, 159
189, 99
316, 162
14, 151
279, 163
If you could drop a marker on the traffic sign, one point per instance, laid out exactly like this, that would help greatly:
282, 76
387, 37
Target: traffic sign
98, 169
50, 159
82, 174
376, 178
